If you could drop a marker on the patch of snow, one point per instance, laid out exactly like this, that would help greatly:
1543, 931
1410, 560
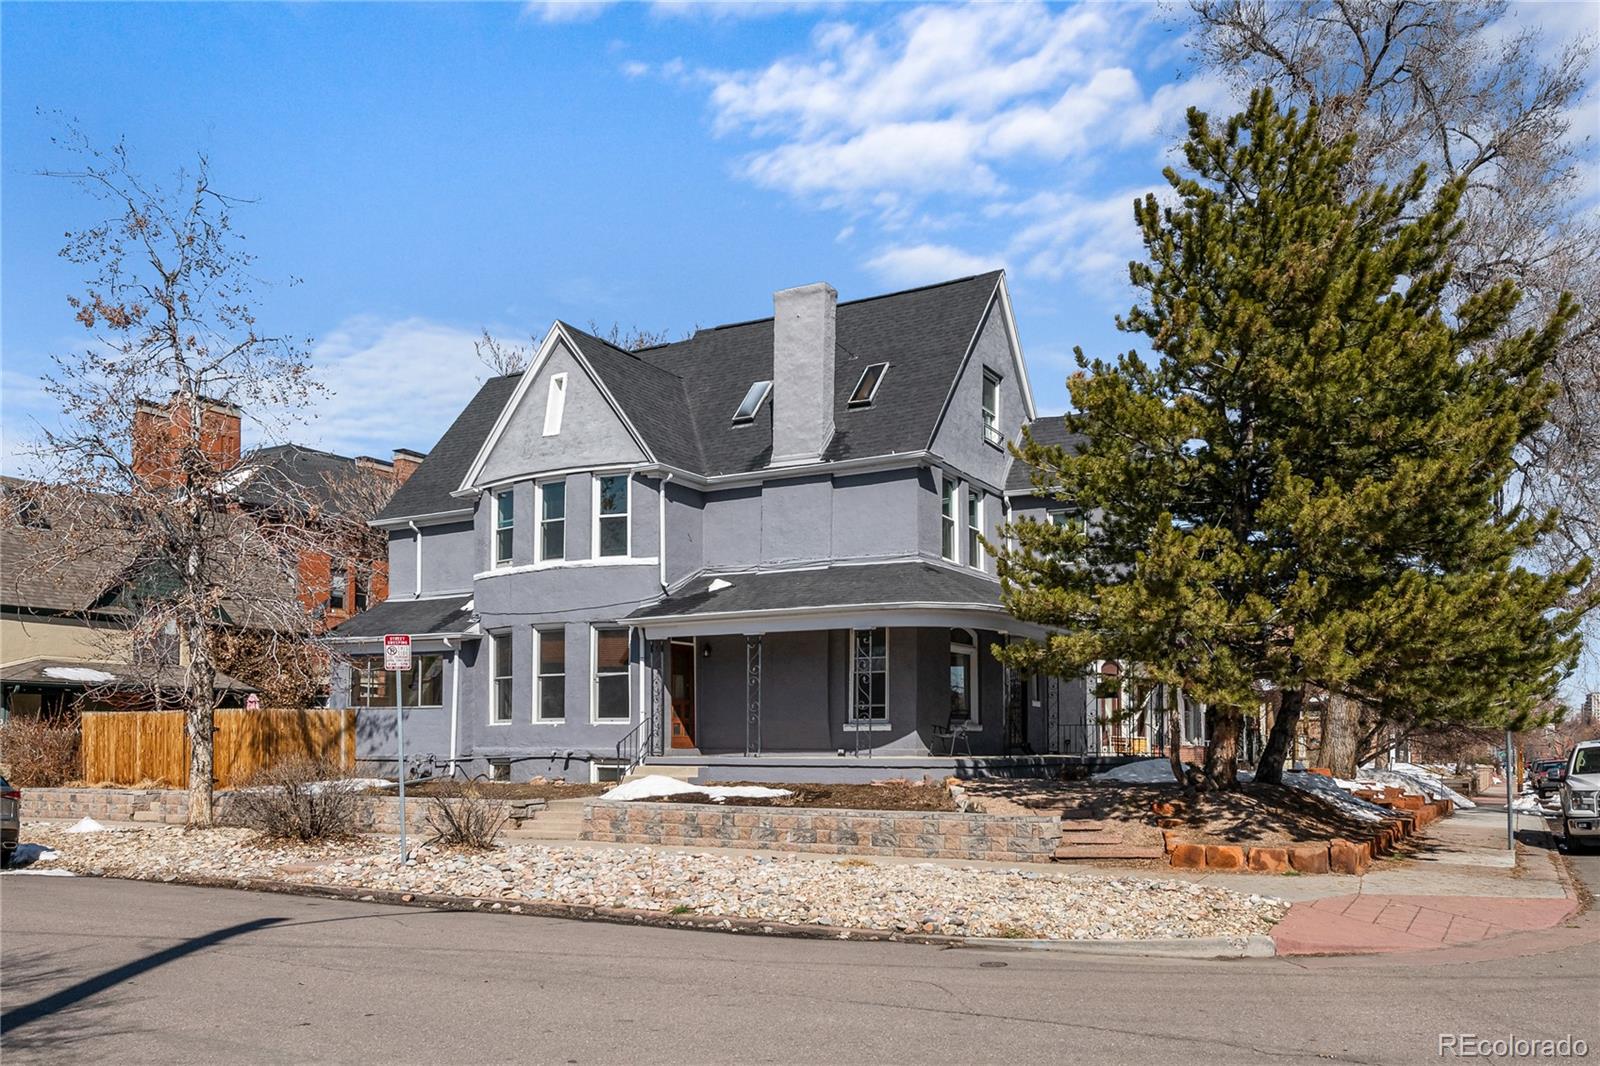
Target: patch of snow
656, 786
53, 872
79, 673
718, 584
85, 825
1143, 772
1332, 792
1421, 781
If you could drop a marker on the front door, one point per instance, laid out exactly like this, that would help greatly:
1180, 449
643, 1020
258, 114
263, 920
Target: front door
680, 685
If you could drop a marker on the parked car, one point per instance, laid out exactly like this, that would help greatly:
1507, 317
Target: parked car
10, 821
1580, 795
1547, 774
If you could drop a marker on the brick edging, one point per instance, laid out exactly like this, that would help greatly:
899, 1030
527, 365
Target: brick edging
1338, 855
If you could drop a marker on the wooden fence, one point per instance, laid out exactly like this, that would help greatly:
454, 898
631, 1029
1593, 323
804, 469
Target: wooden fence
133, 747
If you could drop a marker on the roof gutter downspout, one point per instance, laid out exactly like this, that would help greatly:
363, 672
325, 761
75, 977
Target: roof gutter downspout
454, 644
416, 589
661, 529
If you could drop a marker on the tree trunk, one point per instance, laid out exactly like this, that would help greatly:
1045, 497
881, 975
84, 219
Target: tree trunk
1222, 753
1174, 731
1341, 735
1269, 770
201, 722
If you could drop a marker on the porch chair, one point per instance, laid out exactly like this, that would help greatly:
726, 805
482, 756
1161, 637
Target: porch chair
955, 730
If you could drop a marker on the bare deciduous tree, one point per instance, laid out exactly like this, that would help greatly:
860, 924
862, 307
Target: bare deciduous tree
140, 464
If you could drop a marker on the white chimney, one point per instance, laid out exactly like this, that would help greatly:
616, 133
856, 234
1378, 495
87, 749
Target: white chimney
802, 372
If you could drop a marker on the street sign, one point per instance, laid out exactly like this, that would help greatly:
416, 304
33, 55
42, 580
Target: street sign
252, 702
397, 651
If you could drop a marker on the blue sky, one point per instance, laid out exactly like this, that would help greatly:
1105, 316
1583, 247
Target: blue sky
428, 170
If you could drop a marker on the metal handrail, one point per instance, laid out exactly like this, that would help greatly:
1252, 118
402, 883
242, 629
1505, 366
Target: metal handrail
635, 745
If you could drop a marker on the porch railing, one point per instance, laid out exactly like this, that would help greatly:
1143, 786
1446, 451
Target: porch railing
636, 746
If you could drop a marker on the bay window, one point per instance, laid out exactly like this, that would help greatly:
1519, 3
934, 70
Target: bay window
552, 520
504, 526
611, 675
501, 665
611, 515
550, 680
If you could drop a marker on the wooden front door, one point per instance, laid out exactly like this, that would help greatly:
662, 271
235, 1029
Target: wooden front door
680, 686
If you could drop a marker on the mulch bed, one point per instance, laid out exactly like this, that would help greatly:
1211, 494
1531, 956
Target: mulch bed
1268, 815
884, 796
508, 790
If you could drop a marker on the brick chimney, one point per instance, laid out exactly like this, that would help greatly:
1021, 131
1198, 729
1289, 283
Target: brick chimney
406, 462
802, 372
159, 430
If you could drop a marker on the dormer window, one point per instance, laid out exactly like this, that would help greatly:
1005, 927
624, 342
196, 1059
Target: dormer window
554, 404
752, 402
867, 387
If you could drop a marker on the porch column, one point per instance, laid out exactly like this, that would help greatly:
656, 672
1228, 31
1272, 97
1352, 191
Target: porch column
752, 695
656, 657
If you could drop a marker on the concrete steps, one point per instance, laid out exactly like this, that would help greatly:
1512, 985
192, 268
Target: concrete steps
559, 820
1085, 835
677, 773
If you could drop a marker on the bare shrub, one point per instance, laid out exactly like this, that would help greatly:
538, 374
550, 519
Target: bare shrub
38, 753
298, 799
465, 816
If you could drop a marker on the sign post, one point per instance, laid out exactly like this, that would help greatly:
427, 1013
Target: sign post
397, 657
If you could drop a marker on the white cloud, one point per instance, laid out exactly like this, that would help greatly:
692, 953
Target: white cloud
919, 264
565, 10
391, 384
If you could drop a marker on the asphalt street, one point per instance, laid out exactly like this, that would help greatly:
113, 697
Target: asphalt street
117, 971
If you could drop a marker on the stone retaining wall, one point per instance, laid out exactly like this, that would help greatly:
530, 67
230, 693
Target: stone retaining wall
910, 834
172, 807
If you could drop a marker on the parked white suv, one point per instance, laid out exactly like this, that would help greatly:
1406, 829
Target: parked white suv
1580, 795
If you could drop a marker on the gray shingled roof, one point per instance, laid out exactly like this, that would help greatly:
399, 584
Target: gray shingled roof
427, 491
447, 615
876, 585
291, 473
1051, 429
37, 672
681, 396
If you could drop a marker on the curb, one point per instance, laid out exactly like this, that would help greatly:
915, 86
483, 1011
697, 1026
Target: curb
1256, 946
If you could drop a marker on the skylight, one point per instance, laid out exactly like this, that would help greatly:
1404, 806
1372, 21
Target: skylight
752, 402
867, 387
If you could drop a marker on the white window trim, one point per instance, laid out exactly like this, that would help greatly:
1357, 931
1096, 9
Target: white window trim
555, 404
596, 764
494, 674
983, 412
953, 487
538, 676
975, 701
875, 385
594, 531
755, 412
538, 520
565, 564
851, 722
594, 677
977, 557
494, 527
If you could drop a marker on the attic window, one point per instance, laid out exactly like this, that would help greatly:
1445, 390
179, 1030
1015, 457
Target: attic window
752, 402
554, 404
867, 387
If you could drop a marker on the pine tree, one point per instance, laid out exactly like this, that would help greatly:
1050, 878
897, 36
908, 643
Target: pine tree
1301, 488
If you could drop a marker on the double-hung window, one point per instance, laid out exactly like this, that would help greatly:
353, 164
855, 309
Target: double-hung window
505, 505
611, 515
991, 409
550, 692
338, 585
611, 675
974, 527
869, 675
552, 520
501, 665
947, 519
963, 676
363, 586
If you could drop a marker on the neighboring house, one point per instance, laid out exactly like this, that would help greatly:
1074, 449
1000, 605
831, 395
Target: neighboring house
288, 477
64, 639
755, 550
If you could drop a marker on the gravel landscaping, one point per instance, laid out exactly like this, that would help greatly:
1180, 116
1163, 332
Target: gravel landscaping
903, 897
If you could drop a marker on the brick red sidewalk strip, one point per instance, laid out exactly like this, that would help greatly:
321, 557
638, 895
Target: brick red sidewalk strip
1350, 924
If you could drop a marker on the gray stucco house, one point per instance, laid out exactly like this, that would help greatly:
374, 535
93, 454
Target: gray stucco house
754, 550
